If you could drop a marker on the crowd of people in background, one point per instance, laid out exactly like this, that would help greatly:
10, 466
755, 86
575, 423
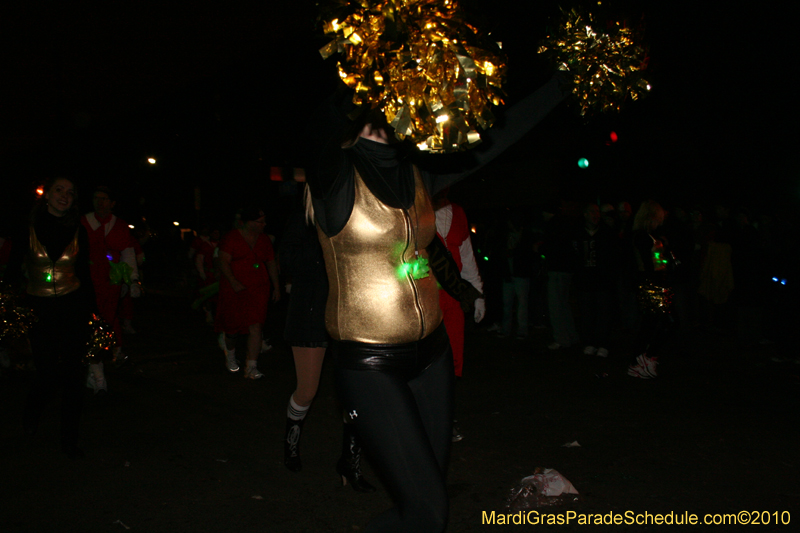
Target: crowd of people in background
729, 270
606, 279
566, 268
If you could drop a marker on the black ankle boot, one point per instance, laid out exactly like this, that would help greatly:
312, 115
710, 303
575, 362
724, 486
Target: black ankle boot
349, 465
291, 445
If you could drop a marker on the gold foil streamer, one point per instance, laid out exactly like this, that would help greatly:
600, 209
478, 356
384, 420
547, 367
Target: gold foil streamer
15, 321
654, 298
100, 342
606, 66
419, 62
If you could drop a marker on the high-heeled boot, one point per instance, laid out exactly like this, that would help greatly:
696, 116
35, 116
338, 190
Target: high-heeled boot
349, 465
291, 445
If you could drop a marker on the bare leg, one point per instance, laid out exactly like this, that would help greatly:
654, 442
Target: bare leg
230, 341
253, 349
308, 365
254, 342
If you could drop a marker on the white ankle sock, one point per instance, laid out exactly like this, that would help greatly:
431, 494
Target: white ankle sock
294, 411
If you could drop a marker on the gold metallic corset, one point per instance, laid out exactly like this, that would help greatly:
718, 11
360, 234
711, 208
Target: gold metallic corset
372, 299
46, 278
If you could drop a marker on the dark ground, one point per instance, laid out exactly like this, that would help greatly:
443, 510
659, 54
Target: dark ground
179, 445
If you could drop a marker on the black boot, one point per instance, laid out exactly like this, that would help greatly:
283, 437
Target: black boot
349, 465
291, 445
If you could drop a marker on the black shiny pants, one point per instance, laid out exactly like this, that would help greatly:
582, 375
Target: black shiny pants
400, 397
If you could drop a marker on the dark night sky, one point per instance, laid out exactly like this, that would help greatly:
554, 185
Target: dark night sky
220, 92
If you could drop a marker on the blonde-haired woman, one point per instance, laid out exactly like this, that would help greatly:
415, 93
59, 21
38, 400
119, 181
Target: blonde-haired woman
654, 264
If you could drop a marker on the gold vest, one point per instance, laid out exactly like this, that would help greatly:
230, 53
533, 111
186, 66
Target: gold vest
372, 299
46, 278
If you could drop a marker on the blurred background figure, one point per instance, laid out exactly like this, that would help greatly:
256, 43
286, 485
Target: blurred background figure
609, 216
518, 265
113, 265
561, 261
654, 292
452, 229
624, 220
205, 246
126, 305
5, 254
593, 279
249, 276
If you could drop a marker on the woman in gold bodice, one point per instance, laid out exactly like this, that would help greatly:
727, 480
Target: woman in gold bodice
394, 367
54, 266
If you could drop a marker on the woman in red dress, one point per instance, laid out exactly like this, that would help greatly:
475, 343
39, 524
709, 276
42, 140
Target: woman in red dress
248, 267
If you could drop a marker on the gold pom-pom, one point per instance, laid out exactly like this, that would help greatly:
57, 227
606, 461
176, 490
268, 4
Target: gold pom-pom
101, 341
654, 298
430, 72
606, 66
15, 321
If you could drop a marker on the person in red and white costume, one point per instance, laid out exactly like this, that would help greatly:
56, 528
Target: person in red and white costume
109, 242
452, 228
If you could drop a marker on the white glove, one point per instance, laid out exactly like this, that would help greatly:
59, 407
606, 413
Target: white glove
480, 309
136, 289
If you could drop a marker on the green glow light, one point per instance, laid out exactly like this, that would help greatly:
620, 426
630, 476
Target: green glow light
417, 269
583, 162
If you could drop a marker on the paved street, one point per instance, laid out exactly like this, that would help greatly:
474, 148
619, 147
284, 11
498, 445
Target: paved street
180, 445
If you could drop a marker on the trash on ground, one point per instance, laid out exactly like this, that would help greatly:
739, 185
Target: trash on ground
546, 487
573, 444
120, 523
